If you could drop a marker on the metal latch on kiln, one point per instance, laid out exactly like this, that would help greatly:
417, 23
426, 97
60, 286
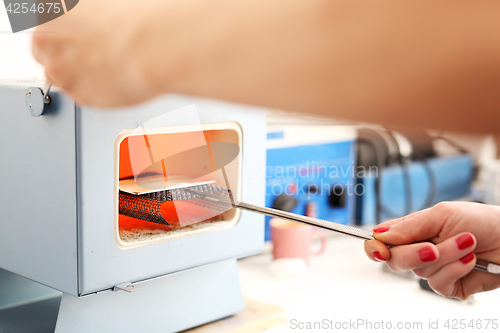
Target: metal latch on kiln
36, 99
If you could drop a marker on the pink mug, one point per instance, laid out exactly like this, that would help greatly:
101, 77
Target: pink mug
293, 240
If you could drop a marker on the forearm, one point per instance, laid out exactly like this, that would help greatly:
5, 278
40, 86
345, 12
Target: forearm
432, 64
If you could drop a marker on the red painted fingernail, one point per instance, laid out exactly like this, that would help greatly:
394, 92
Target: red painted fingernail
468, 258
465, 241
377, 256
380, 230
427, 254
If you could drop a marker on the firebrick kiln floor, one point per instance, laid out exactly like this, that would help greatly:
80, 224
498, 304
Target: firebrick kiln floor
144, 235
256, 317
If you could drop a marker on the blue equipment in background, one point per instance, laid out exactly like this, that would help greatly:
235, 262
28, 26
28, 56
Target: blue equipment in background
311, 171
359, 175
439, 179
406, 174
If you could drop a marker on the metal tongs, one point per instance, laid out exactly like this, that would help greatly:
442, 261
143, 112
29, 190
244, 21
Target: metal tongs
481, 265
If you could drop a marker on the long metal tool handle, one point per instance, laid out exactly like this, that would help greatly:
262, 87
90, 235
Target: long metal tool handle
344, 229
226, 197
487, 266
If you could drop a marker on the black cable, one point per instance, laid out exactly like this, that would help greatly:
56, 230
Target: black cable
403, 162
408, 194
407, 184
431, 196
377, 178
380, 207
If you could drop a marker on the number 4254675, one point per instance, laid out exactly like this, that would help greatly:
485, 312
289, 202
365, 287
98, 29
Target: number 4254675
477, 324
24, 8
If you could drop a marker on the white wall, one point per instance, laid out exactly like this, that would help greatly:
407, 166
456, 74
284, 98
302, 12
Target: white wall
16, 61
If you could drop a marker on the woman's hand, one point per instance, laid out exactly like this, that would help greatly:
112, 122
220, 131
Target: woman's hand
460, 231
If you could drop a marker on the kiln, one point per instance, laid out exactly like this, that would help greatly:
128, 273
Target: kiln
60, 225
